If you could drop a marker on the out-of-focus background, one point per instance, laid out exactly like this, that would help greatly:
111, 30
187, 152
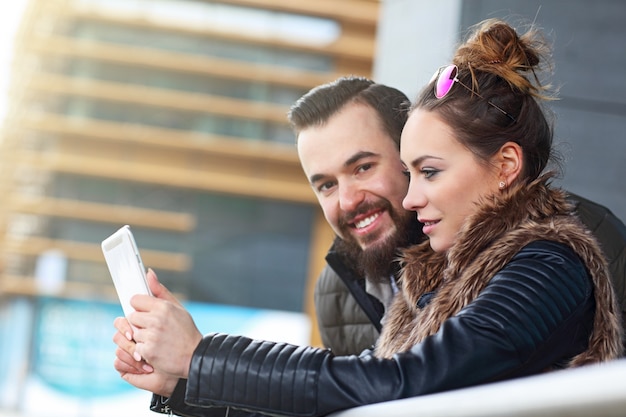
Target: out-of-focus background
170, 116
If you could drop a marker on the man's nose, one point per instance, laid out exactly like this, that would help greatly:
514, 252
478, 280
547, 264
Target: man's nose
350, 196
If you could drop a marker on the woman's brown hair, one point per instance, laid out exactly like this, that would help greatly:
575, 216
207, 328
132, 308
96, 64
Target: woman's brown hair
503, 69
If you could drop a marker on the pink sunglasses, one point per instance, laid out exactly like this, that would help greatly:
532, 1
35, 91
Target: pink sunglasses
447, 76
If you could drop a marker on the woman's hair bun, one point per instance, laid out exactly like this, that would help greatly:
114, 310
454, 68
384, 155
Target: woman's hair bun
494, 46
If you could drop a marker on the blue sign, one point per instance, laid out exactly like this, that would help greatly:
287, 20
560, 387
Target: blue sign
73, 350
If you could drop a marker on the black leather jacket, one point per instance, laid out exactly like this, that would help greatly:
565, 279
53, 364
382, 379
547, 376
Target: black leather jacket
500, 335
610, 232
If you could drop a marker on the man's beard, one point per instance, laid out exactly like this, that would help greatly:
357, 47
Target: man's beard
378, 261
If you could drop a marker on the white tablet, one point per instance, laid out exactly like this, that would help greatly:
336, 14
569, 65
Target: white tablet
127, 270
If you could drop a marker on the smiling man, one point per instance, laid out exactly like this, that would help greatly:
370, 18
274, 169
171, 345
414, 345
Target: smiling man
348, 137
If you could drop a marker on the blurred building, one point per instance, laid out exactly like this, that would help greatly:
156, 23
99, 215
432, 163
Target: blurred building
170, 116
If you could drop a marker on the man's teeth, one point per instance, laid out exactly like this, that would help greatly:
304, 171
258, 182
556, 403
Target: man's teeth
429, 223
366, 221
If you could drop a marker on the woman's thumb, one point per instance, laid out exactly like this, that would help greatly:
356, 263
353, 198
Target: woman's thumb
159, 290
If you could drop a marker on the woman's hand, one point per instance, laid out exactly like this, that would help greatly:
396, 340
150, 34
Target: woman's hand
160, 314
166, 335
138, 373
125, 352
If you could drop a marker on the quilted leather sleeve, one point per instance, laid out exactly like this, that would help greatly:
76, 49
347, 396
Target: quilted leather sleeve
263, 376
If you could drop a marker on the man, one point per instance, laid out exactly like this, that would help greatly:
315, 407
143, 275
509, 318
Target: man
348, 136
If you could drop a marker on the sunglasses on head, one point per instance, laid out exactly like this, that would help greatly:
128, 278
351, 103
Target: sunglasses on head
445, 79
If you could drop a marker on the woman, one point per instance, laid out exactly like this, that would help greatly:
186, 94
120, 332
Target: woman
509, 283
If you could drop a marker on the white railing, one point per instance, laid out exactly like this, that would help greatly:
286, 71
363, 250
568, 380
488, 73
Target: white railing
591, 391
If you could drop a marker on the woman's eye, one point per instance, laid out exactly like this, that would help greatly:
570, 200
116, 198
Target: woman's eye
428, 172
407, 173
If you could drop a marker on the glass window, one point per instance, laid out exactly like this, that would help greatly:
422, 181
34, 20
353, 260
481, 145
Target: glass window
245, 251
224, 17
249, 90
198, 45
83, 107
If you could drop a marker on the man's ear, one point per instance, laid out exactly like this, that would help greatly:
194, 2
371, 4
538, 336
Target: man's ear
510, 162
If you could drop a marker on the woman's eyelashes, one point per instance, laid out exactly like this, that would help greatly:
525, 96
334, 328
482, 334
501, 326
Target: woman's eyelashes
429, 172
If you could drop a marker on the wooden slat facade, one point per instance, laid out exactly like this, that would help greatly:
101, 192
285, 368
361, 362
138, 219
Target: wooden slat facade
46, 143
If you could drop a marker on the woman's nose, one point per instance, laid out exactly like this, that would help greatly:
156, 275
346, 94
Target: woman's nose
414, 198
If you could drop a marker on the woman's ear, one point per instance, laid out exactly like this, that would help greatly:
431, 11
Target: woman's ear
510, 162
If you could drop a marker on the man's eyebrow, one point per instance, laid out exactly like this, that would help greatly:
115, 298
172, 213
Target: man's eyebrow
315, 178
357, 156
350, 161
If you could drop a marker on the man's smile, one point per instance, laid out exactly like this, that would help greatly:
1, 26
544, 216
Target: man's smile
366, 221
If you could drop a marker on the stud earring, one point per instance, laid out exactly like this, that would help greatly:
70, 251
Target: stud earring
502, 185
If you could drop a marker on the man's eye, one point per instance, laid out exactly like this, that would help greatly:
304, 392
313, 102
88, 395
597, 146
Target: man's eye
365, 167
325, 186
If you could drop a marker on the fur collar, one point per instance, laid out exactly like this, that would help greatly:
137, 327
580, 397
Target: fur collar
503, 225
